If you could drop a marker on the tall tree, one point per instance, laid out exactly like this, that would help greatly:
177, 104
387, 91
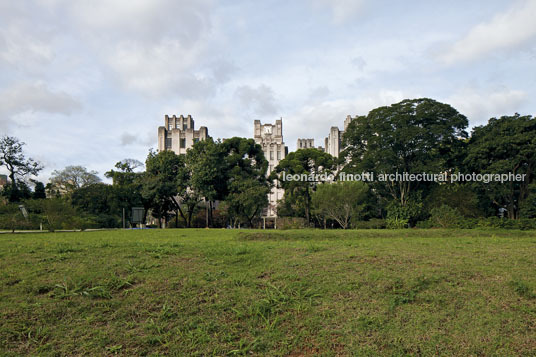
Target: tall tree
39, 191
165, 178
303, 162
247, 187
18, 166
507, 144
413, 136
205, 162
340, 201
72, 178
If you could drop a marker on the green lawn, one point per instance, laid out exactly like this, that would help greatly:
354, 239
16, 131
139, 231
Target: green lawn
307, 292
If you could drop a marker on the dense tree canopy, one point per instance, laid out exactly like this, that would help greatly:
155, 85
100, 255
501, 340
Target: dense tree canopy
414, 136
507, 144
302, 162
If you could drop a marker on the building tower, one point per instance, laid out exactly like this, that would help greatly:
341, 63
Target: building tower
179, 134
270, 138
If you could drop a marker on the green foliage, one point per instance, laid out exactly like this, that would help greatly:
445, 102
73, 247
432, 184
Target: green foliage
165, 178
413, 136
527, 208
403, 216
292, 223
106, 203
373, 223
11, 218
445, 217
39, 191
17, 165
462, 197
504, 145
302, 162
340, 201
246, 184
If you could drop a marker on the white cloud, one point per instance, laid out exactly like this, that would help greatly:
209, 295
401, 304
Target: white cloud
342, 10
258, 101
315, 121
34, 97
478, 106
505, 31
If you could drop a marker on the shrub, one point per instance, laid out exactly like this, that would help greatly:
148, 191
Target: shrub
445, 217
373, 223
292, 223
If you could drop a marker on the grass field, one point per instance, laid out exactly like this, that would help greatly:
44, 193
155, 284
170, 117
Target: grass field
307, 292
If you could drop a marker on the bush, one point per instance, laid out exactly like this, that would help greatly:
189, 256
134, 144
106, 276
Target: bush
445, 217
397, 223
373, 223
292, 223
399, 216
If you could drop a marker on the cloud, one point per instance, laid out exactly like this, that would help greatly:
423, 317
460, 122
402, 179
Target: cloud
318, 93
479, 106
34, 97
359, 62
341, 10
258, 101
315, 121
505, 31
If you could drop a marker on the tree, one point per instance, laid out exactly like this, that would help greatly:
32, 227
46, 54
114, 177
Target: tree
340, 201
72, 178
246, 199
165, 178
18, 166
302, 162
206, 166
39, 191
507, 144
413, 136
247, 187
127, 186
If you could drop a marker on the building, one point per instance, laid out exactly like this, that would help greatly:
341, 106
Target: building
333, 143
179, 134
305, 144
270, 138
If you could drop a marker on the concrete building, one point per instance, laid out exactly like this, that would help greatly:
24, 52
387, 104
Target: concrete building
270, 138
333, 143
179, 134
305, 144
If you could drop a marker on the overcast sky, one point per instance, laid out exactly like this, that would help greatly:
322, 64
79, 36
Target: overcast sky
88, 82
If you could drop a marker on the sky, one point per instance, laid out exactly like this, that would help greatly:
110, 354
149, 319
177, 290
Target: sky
89, 82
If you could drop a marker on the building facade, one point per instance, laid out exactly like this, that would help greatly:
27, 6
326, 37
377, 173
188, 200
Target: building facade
305, 144
270, 138
179, 134
333, 143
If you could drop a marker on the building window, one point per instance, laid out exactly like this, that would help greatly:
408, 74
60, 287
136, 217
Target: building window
184, 126
170, 126
177, 125
196, 140
168, 143
279, 155
271, 155
183, 143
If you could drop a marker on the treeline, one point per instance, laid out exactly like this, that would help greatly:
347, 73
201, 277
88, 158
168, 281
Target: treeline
418, 136
216, 184
225, 183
